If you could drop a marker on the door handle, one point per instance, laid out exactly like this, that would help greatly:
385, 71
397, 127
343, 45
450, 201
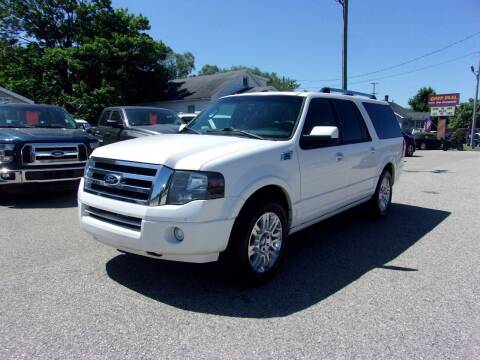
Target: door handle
339, 156
373, 150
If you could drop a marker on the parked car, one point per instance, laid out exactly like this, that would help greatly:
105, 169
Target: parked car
428, 142
84, 124
409, 144
187, 117
41, 143
129, 122
278, 163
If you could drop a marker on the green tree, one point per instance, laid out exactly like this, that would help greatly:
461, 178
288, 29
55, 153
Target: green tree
420, 101
281, 83
463, 116
209, 69
83, 55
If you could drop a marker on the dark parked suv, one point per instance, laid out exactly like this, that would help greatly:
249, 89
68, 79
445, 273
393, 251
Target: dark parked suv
128, 122
41, 143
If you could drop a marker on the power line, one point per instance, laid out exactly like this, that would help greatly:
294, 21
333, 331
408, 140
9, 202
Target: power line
411, 71
402, 63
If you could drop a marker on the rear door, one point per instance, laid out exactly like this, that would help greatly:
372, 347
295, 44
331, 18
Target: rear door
359, 151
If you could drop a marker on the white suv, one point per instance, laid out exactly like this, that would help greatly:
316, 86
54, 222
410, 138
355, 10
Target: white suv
247, 172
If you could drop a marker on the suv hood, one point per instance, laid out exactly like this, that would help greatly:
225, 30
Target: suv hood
42, 135
178, 151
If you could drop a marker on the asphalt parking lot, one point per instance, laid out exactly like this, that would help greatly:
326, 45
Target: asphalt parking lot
406, 287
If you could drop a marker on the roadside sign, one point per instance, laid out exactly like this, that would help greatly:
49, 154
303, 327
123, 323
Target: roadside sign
442, 111
441, 100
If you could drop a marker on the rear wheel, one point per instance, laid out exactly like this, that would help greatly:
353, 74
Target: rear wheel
382, 199
257, 243
410, 150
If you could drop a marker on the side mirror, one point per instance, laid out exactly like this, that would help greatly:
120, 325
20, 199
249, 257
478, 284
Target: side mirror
320, 136
115, 124
183, 126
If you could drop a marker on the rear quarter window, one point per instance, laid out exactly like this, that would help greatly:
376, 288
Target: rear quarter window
384, 120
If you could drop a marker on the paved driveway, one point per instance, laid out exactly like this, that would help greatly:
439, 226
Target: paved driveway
407, 287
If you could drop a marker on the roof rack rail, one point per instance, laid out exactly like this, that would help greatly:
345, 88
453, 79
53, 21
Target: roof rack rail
329, 90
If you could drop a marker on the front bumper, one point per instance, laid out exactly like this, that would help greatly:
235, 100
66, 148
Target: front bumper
32, 175
149, 230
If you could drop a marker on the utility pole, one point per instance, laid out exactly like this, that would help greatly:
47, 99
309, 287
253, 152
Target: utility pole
344, 4
475, 100
374, 83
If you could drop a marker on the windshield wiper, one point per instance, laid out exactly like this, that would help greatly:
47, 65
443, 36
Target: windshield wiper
243, 132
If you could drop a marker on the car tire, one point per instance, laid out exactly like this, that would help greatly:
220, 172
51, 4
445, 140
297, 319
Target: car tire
255, 250
410, 150
381, 201
423, 146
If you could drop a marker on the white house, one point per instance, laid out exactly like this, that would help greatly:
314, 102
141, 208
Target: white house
195, 93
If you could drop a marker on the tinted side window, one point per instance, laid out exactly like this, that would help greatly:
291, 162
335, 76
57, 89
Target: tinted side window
320, 113
353, 125
104, 118
384, 120
116, 117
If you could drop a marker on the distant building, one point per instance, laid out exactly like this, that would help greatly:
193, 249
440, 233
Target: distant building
407, 118
197, 92
9, 97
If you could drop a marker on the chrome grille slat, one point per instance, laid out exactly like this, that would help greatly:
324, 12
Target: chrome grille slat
125, 174
126, 181
115, 219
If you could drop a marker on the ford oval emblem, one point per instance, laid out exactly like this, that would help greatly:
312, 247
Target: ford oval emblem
57, 153
112, 179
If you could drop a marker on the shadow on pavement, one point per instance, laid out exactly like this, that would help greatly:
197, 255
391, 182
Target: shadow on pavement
320, 261
40, 196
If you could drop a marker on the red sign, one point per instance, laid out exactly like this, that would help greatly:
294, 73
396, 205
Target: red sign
444, 100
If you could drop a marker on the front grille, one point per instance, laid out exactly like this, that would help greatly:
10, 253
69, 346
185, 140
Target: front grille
127, 181
128, 222
52, 175
55, 153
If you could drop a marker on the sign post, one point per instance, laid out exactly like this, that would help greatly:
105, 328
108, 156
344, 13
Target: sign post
443, 106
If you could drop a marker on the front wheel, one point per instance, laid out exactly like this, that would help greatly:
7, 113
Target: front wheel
257, 243
423, 146
382, 199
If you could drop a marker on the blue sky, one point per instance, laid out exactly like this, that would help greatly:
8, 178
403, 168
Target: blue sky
302, 39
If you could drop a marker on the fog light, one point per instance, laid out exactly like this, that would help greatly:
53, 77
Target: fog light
8, 176
178, 233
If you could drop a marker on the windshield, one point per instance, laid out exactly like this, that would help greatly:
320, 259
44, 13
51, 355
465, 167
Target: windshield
270, 117
145, 117
36, 117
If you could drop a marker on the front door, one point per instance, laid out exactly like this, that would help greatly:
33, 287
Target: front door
323, 170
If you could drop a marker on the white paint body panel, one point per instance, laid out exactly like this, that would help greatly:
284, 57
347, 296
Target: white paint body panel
315, 182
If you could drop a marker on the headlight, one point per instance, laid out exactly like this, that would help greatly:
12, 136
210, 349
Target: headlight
187, 186
6, 153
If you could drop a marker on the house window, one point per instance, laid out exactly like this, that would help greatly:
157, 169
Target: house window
191, 108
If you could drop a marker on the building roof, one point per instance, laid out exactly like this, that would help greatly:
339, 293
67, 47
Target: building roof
15, 95
206, 86
408, 114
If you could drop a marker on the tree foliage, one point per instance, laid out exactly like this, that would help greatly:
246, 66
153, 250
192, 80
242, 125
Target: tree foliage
83, 55
281, 83
420, 101
463, 116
